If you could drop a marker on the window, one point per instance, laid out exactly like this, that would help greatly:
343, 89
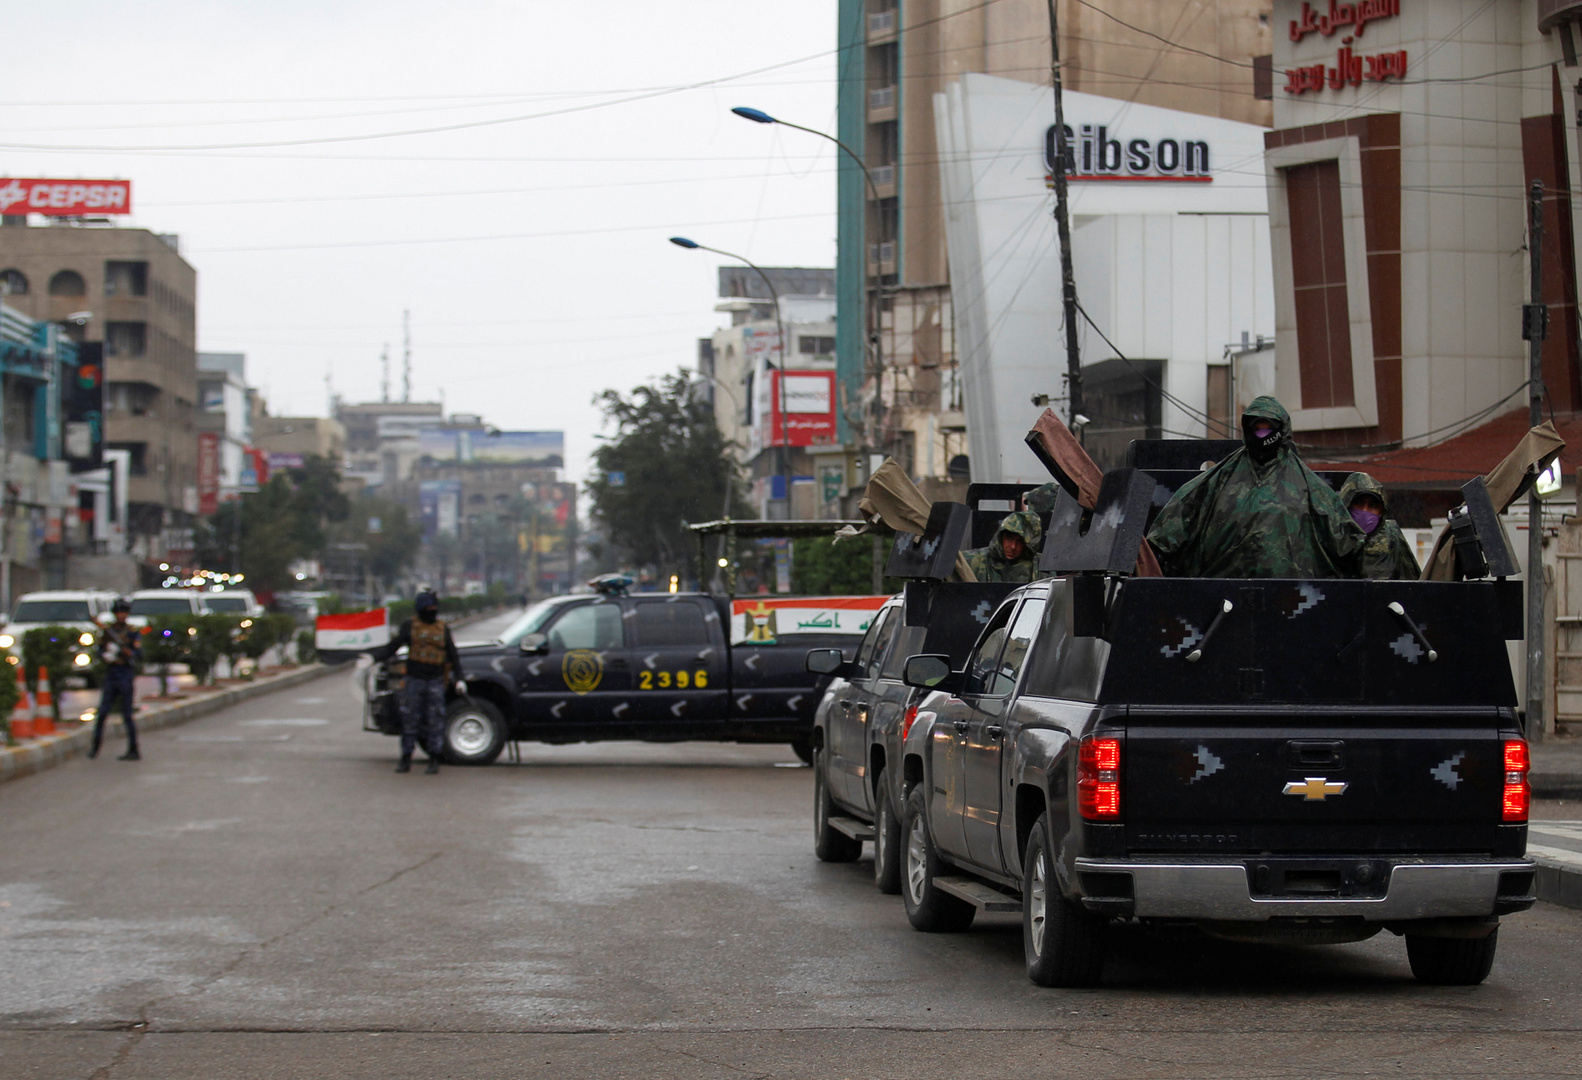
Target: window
1068, 667
1318, 272
870, 640
881, 643
237, 604
1263, 73
816, 346
591, 626
68, 283
51, 611
127, 339
908, 642
13, 283
980, 664
1017, 642
670, 622
161, 605
126, 279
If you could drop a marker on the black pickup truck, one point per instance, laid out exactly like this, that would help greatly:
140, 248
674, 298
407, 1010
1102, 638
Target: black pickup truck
660, 667
1266, 760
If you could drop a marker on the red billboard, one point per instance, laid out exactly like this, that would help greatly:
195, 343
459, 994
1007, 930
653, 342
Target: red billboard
809, 416
65, 198
208, 472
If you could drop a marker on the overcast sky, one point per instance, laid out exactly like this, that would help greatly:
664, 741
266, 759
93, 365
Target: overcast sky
532, 253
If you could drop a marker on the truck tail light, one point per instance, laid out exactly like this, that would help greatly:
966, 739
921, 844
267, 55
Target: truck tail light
1518, 793
907, 721
1099, 779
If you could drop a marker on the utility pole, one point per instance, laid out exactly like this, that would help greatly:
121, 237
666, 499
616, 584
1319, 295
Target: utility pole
406, 356
1068, 278
1535, 322
384, 381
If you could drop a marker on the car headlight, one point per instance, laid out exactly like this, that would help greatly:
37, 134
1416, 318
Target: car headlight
82, 659
6, 641
85, 639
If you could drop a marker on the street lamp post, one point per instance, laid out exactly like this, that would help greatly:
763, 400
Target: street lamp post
780, 333
872, 320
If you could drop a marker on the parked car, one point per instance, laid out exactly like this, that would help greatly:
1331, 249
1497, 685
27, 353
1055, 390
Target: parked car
83, 611
147, 603
239, 602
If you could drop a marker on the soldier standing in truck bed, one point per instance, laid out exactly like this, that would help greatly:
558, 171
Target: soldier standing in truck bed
1260, 513
1386, 555
1013, 553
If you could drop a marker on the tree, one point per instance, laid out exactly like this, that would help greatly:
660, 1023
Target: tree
263, 532
391, 549
666, 465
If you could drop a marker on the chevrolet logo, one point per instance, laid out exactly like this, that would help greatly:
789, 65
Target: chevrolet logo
1315, 788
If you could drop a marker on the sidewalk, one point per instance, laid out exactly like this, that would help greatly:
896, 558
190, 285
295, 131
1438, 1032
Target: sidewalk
1557, 768
73, 737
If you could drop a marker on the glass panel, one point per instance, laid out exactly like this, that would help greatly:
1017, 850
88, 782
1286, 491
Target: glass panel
51, 611
1017, 642
671, 622
155, 605
531, 621
980, 664
592, 626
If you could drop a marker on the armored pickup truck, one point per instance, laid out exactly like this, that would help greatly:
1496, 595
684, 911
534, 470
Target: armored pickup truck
1266, 760
661, 667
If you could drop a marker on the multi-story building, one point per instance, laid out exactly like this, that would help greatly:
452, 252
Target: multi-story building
1210, 58
130, 290
745, 367
225, 426
286, 440
382, 438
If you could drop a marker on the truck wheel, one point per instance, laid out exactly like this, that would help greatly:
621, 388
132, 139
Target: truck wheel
927, 908
1451, 961
886, 843
828, 844
474, 732
1064, 945
802, 747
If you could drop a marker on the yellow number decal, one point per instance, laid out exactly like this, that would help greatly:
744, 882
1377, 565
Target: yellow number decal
682, 678
645, 680
664, 680
701, 679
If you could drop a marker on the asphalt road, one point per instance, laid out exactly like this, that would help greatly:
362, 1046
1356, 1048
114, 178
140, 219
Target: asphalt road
263, 897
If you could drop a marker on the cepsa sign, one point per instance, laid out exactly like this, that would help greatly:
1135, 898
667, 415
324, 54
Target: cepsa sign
65, 198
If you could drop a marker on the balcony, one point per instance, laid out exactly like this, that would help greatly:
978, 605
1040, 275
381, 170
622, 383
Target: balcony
881, 27
881, 105
884, 186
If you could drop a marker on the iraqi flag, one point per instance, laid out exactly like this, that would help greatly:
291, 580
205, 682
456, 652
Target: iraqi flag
356, 632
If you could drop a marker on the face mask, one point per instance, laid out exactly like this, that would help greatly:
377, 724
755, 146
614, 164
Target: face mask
1366, 518
1262, 439
428, 614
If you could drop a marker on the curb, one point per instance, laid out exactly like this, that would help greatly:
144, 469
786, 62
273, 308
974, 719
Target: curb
36, 755
1556, 785
1558, 883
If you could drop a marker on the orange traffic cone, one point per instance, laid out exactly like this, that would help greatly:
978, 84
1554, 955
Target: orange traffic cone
22, 714
43, 706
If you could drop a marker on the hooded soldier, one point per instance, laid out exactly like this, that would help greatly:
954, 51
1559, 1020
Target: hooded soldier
1260, 513
432, 661
1386, 555
1013, 553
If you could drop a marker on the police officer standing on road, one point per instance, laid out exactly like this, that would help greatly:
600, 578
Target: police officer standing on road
120, 648
431, 658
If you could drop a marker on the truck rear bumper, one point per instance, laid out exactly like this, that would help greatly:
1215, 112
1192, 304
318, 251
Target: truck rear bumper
1222, 891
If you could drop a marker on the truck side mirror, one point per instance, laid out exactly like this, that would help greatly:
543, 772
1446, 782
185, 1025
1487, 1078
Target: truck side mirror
534, 644
824, 661
929, 672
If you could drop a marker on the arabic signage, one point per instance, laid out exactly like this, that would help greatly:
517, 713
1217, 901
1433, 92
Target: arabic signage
208, 472
761, 621
1350, 68
809, 417
1100, 152
65, 198
546, 449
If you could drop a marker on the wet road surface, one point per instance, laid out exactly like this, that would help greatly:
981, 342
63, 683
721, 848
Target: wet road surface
263, 897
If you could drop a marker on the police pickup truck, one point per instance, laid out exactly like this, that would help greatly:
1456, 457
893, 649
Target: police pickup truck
661, 667
1266, 760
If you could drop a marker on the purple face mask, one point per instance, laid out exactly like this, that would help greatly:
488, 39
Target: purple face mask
1366, 518
1263, 431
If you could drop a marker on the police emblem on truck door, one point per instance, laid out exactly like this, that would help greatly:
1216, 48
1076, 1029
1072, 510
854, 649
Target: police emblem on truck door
583, 670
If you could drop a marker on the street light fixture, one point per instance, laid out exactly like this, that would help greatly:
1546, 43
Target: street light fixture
780, 331
758, 116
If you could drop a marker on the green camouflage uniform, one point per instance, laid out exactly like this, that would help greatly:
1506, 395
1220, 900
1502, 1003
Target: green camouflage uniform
990, 564
1241, 519
1386, 555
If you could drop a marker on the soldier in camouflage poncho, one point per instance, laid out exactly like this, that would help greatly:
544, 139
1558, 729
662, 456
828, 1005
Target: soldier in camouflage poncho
1386, 555
1013, 553
1260, 513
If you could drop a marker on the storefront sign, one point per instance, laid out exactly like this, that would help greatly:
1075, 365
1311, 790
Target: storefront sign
208, 472
1357, 16
1098, 152
65, 198
809, 416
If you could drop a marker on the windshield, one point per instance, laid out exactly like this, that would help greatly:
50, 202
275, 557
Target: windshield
52, 611
533, 619
226, 603
162, 605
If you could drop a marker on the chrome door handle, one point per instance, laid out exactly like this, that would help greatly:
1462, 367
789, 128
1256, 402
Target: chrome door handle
961, 727
993, 731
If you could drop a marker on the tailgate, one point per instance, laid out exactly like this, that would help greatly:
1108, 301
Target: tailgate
1272, 789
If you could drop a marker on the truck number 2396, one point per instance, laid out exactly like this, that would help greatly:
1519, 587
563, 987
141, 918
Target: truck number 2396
647, 680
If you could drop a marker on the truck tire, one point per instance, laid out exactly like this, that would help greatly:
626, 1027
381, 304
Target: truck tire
886, 843
802, 747
828, 844
1441, 961
474, 732
927, 908
1064, 944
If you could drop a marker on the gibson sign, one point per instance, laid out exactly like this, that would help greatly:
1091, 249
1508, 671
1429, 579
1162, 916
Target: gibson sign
65, 198
1349, 68
1097, 153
